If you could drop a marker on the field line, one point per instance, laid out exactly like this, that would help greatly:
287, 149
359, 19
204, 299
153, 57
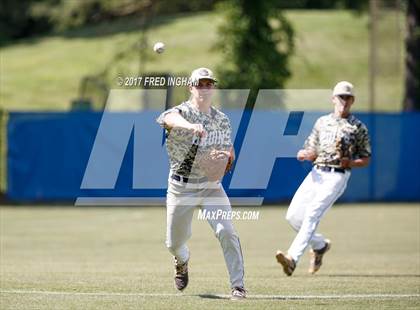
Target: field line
285, 297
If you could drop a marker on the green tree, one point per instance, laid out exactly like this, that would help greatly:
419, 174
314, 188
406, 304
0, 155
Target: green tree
412, 77
256, 41
17, 19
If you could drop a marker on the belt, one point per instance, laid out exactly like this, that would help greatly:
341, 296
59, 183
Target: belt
330, 169
180, 178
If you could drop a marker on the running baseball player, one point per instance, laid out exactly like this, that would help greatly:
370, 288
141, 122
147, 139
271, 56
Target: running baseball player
200, 148
338, 142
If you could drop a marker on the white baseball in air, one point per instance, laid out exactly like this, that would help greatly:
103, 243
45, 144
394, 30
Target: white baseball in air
159, 47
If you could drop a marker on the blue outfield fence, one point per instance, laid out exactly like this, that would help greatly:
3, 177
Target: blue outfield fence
48, 154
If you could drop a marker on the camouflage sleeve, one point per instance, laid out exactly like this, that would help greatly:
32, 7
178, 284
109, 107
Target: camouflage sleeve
363, 148
161, 117
312, 142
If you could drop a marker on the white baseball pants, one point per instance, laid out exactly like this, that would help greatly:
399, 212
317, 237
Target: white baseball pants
181, 200
314, 197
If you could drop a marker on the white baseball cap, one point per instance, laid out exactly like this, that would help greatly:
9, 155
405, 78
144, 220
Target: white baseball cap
202, 73
343, 88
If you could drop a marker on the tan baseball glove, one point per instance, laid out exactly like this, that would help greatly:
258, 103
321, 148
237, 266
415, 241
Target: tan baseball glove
216, 164
344, 147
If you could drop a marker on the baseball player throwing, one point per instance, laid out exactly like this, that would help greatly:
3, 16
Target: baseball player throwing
199, 147
338, 142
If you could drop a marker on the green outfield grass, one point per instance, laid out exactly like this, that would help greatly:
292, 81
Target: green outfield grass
44, 73
115, 258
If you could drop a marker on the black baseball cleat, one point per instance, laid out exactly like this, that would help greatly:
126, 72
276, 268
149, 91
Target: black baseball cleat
287, 262
181, 275
238, 293
316, 257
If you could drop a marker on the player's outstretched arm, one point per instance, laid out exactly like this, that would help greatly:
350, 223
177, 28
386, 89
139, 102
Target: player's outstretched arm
175, 120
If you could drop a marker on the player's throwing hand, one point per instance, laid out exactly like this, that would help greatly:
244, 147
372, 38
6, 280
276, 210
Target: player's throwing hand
198, 129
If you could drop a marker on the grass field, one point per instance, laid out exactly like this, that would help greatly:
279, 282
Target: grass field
44, 73
115, 258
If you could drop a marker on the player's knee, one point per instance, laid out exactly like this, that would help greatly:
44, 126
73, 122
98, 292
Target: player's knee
292, 215
293, 221
313, 215
289, 217
225, 233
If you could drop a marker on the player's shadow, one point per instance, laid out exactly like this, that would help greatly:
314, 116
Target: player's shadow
211, 296
369, 275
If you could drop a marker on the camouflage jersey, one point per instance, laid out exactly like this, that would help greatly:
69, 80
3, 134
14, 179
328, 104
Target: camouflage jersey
333, 138
185, 149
